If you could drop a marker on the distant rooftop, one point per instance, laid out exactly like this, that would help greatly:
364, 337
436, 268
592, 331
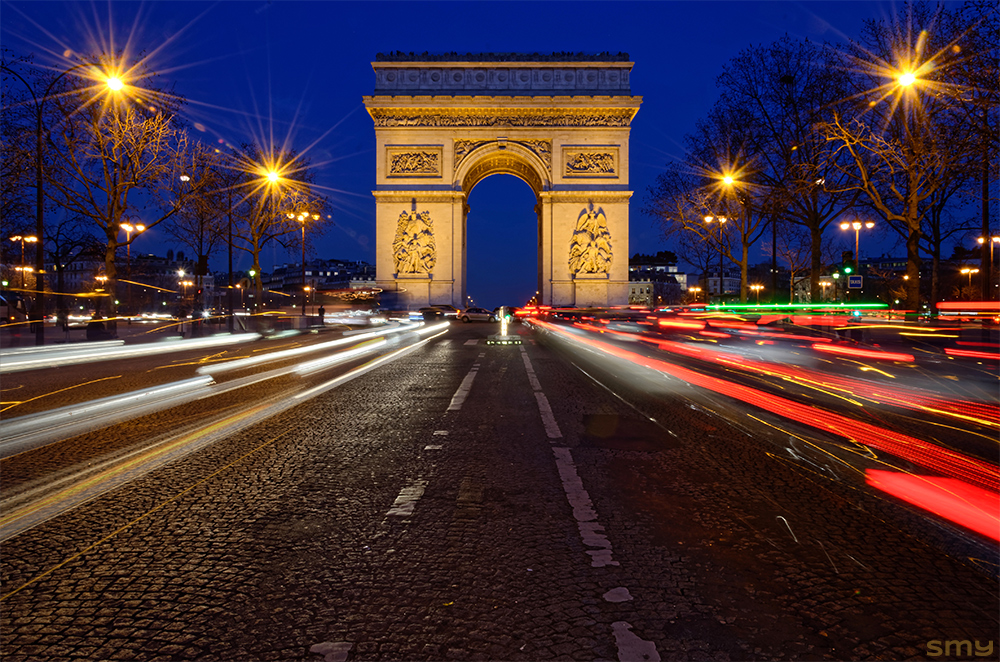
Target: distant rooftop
400, 56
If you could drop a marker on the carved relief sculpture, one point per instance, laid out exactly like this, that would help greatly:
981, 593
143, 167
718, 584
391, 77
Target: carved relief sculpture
414, 163
541, 148
463, 147
590, 163
590, 248
413, 250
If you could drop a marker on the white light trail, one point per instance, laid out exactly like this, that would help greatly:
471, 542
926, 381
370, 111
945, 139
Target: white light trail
59, 356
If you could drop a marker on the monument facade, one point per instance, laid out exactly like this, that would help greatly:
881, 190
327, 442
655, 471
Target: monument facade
559, 122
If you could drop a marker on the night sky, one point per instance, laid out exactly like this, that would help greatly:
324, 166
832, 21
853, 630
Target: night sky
295, 73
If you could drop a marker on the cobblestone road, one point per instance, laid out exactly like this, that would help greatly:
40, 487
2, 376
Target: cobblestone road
473, 502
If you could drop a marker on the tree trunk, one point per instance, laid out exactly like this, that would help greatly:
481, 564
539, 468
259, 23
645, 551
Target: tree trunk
816, 236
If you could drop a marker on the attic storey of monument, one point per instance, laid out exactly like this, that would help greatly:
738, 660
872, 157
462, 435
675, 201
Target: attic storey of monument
562, 126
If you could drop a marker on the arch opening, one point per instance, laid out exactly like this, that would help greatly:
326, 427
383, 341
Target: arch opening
503, 242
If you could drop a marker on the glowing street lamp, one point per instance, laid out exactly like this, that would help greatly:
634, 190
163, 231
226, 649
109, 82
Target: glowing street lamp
757, 289
856, 225
21, 238
970, 271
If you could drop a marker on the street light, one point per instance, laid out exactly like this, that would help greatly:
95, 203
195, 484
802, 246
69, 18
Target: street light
114, 84
21, 238
757, 289
722, 221
970, 271
302, 217
129, 229
982, 240
856, 225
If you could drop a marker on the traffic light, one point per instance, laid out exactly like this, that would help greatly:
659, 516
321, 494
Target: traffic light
847, 262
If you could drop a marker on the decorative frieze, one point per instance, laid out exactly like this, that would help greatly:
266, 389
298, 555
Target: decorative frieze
413, 160
413, 249
590, 248
590, 161
415, 117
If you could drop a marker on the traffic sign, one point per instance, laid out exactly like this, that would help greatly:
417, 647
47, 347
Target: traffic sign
854, 282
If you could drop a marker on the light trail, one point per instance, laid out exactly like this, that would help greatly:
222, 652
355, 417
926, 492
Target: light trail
239, 364
909, 448
60, 356
89, 483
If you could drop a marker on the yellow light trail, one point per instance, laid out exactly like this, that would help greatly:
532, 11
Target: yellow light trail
68, 388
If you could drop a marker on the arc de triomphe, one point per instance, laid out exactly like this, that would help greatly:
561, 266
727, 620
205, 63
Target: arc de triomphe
560, 123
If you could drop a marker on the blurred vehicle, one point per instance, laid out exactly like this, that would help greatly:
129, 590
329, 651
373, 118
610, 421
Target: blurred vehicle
447, 309
427, 313
477, 315
13, 307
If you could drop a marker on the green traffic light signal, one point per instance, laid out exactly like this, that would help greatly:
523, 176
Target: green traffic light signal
848, 269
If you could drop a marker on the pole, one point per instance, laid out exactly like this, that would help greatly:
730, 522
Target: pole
721, 289
857, 257
230, 292
305, 293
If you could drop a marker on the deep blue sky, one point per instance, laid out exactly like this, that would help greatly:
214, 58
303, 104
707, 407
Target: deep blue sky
297, 71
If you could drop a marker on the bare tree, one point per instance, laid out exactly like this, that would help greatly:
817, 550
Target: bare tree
779, 93
276, 189
794, 247
17, 150
116, 156
70, 240
201, 223
895, 147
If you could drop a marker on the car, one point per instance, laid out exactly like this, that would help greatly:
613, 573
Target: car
446, 308
477, 315
428, 314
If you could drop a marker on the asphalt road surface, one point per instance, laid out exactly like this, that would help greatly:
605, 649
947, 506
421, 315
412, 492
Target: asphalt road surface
461, 501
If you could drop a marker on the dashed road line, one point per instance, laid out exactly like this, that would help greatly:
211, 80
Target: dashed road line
463, 390
631, 647
406, 501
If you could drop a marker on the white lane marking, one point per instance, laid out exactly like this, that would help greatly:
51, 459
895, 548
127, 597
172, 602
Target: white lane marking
619, 594
441, 432
630, 647
407, 499
548, 418
332, 651
432, 447
532, 378
463, 391
583, 510
482, 355
473, 341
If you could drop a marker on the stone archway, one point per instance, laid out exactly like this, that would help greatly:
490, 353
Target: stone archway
442, 126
